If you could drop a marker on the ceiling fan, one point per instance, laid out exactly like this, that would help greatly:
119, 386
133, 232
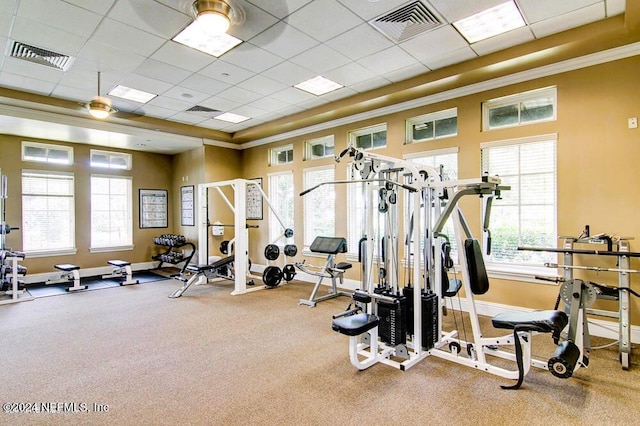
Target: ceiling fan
100, 107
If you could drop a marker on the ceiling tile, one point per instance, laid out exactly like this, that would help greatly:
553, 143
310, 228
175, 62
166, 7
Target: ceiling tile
185, 94
249, 111
269, 104
125, 37
140, 82
155, 111
342, 93
112, 57
251, 58
226, 72
214, 124
540, 10
181, 56
68, 17
341, 18
615, 7
569, 20
350, 74
262, 85
73, 93
256, 21
6, 18
280, 8
289, 73
32, 70
26, 84
406, 72
284, 40
239, 95
291, 95
320, 58
204, 84
168, 103
161, 71
388, 60
44, 36
359, 42
434, 43
185, 117
503, 41
369, 10
455, 10
220, 104
150, 16
372, 83
97, 6
450, 58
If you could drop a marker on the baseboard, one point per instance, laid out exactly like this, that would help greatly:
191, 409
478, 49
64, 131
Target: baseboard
597, 327
84, 272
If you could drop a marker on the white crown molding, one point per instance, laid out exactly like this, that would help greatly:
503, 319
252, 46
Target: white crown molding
598, 58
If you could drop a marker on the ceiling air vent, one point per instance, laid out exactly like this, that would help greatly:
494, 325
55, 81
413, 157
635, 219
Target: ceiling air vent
40, 56
202, 110
408, 21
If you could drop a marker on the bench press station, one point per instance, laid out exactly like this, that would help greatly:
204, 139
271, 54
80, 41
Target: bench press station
329, 246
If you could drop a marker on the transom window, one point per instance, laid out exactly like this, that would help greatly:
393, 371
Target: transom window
369, 137
436, 125
110, 160
523, 108
281, 155
47, 153
319, 147
526, 214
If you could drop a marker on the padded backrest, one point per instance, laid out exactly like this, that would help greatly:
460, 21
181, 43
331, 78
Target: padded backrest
475, 263
329, 245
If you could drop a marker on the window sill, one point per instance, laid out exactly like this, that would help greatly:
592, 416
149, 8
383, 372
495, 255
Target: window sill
109, 249
50, 253
521, 273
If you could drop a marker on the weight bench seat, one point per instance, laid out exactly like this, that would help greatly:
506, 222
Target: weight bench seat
549, 321
354, 325
329, 245
67, 267
118, 263
343, 266
199, 268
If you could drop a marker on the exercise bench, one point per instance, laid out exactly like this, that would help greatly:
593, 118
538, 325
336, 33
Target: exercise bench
200, 274
71, 273
121, 270
329, 246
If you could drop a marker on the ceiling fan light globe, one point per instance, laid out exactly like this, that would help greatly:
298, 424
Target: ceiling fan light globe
213, 22
99, 110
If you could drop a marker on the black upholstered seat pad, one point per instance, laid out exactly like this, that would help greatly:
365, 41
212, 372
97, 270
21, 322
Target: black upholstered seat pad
354, 325
542, 321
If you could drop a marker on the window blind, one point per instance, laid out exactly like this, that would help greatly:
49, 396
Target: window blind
111, 212
319, 205
281, 196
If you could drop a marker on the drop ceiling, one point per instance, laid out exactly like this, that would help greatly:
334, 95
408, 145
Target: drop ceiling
284, 43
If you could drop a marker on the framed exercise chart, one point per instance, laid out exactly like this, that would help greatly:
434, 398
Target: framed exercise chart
254, 200
153, 208
186, 206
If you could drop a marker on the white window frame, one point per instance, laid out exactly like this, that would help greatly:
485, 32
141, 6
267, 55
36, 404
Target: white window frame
28, 228
433, 118
325, 142
275, 229
111, 156
128, 226
518, 99
523, 271
311, 204
274, 152
355, 212
48, 148
370, 130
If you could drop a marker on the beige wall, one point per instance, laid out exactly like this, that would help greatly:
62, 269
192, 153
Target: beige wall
597, 163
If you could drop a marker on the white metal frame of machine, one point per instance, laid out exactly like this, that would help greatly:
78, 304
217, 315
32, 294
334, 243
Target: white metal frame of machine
241, 231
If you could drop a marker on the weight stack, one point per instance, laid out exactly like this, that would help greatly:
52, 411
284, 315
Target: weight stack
392, 328
429, 320
407, 292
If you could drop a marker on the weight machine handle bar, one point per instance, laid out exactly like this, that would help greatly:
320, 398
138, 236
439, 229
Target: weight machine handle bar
580, 251
346, 313
407, 187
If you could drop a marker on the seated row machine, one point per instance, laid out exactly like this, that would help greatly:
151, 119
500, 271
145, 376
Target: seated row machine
329, 246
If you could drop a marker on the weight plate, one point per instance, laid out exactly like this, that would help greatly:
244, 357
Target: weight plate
272, 276
289, 272
224, 247
290, 250
288, 233
271, 252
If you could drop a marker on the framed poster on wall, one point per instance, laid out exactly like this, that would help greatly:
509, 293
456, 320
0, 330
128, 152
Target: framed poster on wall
187, 206
254, 200
153, 208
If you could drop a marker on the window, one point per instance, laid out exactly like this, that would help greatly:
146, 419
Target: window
281, 196
369, 137
432, 126
281, 155
110, 160
47, 153
319, 148
526, 214
48, 220
523, 108
356, 213
111, 217
448, 159
319, 205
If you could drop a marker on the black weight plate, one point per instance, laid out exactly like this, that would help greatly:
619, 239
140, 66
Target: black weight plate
288, 272
271, 252
224, 247
272, 276
290, 250
288, 233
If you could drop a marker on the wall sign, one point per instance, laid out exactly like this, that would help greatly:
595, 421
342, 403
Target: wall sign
153, 208
186, 206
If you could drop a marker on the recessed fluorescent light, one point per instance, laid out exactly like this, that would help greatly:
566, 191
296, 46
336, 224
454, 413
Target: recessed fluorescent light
496, 20
213, 44
318, 85
131, 94
231, 118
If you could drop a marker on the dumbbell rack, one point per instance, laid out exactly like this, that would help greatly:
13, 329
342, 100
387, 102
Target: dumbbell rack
171, 256
10, 274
